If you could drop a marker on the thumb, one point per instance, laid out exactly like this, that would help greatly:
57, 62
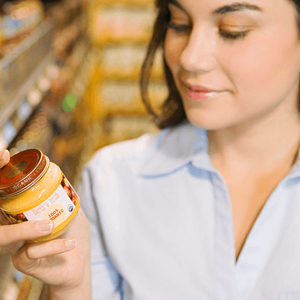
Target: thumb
4, 157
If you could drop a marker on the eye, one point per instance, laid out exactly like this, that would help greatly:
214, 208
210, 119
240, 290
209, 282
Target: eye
180, 28
233, 35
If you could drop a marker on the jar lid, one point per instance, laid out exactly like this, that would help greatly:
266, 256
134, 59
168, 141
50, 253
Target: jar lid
23, 171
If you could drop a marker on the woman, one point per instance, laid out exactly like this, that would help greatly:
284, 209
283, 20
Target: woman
208, 208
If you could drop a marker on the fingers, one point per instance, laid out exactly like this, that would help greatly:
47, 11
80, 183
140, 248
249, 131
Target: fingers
12, 235
4, 157
40, 250
28, 258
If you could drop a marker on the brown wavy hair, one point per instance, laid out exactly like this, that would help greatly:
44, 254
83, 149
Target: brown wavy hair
172, 111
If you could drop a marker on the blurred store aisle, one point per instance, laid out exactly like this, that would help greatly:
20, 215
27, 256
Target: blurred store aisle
69, 74
120, 31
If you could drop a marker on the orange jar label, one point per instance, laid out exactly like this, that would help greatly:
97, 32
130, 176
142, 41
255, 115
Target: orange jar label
58, 207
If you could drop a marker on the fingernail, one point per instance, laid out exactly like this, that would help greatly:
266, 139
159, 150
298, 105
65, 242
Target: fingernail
45, 225
71, 243
4, 155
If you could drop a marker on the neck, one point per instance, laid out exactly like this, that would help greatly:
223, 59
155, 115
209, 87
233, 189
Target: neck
260, 144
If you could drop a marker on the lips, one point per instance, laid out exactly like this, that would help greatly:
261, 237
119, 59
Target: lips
200, 93
200, 89
201, 96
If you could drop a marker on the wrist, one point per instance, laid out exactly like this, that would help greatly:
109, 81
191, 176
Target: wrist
82, 290
79, 292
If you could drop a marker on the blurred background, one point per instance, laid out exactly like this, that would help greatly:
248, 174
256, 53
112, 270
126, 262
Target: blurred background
69, 74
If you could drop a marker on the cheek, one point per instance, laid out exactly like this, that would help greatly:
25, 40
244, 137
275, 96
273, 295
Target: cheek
265, 64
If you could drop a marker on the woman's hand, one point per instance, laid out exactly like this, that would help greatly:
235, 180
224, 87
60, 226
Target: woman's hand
63, 264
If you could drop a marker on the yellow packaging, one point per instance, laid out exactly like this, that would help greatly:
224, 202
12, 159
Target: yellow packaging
33, 188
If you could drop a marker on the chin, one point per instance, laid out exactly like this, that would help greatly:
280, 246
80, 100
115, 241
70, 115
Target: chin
208, 122
212, 123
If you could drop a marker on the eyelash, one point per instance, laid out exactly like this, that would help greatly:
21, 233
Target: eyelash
180, 28
228, 35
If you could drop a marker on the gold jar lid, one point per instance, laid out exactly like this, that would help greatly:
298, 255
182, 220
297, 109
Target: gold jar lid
22, 172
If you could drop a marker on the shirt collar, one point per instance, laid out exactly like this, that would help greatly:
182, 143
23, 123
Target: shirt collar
175, 148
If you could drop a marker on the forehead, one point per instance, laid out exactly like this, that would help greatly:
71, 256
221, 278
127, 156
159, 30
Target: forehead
227, 6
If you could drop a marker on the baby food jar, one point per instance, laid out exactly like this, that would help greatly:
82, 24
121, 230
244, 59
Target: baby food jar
33, 188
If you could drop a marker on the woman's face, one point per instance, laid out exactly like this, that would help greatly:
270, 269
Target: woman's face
234, 63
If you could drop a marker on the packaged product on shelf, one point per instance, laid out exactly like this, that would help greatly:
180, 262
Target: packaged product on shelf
65, 38
125, 61
124, 96
21, 69
38, 133
115, 24
119, 93
19, 19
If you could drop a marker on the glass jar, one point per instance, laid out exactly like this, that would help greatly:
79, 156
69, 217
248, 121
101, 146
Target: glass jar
33, 188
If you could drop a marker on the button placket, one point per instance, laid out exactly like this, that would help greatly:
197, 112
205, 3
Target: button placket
224, 241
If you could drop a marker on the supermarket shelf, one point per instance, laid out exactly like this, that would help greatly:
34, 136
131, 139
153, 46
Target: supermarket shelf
53, 115
128, 74
23, 60
33, 80
14, 103
66, 12
119, 25
22, 85
16, 112
124, 62
70, 146
65, 38
80, 83
104, 39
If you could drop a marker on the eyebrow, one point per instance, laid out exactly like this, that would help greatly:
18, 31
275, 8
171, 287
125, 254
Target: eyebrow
238, 6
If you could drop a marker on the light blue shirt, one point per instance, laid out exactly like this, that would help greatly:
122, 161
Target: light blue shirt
162, 226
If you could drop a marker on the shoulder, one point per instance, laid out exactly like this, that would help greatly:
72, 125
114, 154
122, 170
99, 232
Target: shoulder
118, 169
128, 150
152, 153
140, 148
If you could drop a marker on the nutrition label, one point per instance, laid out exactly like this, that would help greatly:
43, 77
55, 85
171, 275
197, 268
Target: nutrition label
56, 208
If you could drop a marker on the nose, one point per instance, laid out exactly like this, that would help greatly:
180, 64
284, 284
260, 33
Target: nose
198, 55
